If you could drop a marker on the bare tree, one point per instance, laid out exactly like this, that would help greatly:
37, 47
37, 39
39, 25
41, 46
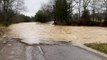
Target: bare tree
48, 6
93, 6
105, 4
86, 4
48, 9
79, 9
9, 8
72, 4
85, 13
105, 11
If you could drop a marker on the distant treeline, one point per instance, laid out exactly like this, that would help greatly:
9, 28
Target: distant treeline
10, 12
62, 12
74, 12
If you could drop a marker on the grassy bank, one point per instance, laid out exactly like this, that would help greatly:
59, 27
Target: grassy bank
100, 47
3, 31
3, 38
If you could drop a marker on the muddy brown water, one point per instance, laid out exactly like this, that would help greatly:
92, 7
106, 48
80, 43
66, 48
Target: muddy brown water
34, 33
54, 41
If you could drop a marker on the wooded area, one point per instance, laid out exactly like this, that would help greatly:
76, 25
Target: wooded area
76, 12
10, 12
62, 12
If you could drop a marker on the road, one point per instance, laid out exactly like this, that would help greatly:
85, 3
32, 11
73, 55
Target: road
15, 50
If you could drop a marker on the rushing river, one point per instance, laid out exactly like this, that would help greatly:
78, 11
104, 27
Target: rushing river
34, 33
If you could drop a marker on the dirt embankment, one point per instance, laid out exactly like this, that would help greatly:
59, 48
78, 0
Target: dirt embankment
3, 38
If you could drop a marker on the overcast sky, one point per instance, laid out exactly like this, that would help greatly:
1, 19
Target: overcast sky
32, 6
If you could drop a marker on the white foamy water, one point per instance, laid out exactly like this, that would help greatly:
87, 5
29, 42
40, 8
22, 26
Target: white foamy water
35, 33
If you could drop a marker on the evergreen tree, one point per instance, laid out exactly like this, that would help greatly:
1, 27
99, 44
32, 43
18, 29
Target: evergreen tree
61, 12
41, 17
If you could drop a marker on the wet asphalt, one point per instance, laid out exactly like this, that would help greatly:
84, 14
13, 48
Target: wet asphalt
15, 50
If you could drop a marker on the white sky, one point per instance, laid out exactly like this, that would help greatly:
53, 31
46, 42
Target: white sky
32, 6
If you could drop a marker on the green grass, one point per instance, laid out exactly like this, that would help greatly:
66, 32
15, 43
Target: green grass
100, 47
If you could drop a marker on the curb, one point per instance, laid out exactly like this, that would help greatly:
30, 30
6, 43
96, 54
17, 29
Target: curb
91, 50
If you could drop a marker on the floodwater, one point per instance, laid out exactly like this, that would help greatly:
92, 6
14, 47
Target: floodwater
35, 33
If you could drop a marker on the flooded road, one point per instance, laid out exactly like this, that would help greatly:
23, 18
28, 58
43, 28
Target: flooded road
27, 36
34, 33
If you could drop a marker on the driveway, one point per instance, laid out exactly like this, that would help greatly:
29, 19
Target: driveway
15, 50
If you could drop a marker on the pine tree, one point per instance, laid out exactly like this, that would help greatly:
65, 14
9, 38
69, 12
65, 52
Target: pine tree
61, 12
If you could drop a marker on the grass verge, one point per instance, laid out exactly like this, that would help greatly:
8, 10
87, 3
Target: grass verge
100, 47
3, 39
3, 31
